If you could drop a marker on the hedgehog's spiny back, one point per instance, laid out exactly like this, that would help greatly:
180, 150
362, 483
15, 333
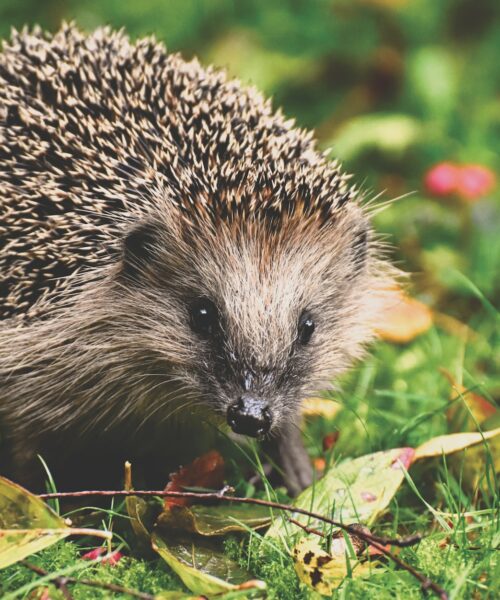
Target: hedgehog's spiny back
93, 129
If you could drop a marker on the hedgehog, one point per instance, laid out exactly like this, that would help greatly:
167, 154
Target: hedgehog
177, 260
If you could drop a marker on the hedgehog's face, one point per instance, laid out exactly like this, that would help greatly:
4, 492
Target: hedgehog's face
259, 321
255, 381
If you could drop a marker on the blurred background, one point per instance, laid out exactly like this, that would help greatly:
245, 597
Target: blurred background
407, 94
393, 87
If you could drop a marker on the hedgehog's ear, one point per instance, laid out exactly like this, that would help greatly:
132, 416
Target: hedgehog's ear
138, 248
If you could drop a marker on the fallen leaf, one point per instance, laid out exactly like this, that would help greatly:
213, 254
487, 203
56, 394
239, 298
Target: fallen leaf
28, 525
324, 571
403, 318
355, 490
320, 407
206, 471
203, 566
215, 520
41, 593
447, 444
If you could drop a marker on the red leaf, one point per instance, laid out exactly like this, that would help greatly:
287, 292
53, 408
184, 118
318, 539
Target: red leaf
206, 471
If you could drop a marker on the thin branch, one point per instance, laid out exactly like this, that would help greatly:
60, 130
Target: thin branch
61, 583
221, 496
306, 529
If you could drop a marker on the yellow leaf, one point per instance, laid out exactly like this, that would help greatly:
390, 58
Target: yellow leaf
28, 525
320, 407
325, 571
447, 444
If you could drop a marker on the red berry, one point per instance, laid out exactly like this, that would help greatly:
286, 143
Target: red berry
442, 179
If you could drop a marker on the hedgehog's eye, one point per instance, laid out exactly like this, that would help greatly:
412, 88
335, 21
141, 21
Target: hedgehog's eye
203, 316
306, 327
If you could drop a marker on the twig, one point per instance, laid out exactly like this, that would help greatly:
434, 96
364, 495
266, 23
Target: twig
61, 584
221, 496
306, 529
373, 540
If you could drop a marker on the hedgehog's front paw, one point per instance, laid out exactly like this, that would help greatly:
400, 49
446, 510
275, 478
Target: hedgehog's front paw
291, 456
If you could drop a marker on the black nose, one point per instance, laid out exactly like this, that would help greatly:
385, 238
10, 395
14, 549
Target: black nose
249, 416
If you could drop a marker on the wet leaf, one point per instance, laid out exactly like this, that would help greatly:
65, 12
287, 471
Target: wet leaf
403, 318
215, 520
206, 471
202, 564
28, 525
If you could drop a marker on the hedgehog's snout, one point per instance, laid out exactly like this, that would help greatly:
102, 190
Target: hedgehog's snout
249, 415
